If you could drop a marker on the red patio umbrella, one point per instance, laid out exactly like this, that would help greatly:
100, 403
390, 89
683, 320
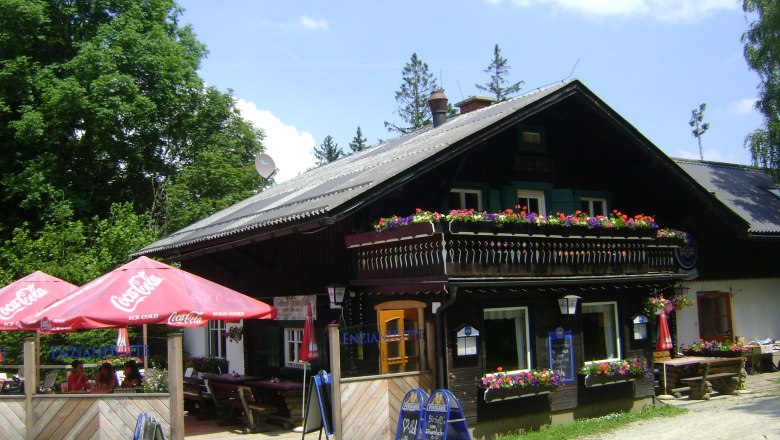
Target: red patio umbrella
664, 341
309, 352
145, 291
26, 296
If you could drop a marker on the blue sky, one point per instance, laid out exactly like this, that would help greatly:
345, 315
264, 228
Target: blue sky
306, 69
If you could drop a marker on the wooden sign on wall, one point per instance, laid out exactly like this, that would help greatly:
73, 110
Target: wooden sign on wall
293, 308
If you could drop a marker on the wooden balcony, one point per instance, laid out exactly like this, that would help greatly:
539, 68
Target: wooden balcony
438, 251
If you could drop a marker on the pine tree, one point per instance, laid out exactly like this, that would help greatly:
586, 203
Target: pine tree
417, 85
328, 151
498, 70
358, 142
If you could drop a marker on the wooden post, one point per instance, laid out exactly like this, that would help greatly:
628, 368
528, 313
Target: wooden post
29, 385
335, 373
175, 386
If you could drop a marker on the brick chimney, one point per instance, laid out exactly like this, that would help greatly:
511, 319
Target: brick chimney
438, 104
474, 103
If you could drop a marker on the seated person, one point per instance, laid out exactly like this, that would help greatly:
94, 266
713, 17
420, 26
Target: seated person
77, 379
105, 379
133, 377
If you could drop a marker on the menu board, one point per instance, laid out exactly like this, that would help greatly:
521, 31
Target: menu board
319, 411
562, 353
444, 418
412, 413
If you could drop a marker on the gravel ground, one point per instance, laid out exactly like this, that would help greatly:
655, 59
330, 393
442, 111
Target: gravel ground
754, 414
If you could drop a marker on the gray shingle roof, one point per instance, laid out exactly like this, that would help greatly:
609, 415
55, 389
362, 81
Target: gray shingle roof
331, 189
741, 188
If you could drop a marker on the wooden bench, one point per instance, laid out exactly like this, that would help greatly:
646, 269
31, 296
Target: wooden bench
255, 412
227, 401
723, 375
195, 396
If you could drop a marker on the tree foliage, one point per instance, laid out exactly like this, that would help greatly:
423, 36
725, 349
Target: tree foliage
359, 142
100, 102
499, 70
328, 151
416, 87
762, 52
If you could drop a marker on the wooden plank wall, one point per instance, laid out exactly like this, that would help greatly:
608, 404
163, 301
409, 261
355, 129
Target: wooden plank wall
364, 400
12, 417
106, 417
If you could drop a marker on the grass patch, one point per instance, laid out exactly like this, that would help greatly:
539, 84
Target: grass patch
600, 425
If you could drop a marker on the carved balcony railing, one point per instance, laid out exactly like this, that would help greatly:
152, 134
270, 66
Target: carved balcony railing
433, 250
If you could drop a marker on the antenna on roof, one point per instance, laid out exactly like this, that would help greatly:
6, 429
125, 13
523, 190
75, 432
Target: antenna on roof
265, 166
460, 90
572, 70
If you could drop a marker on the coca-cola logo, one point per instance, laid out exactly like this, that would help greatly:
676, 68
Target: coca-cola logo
25, 297
190, 319
141, 286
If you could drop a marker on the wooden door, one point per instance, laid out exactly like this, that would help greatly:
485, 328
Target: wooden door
399, 348
714, 316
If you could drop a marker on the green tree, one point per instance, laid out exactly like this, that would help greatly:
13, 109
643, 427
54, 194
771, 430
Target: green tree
358, 143
416, 87
762, 52
100, 102
499, 70
328, 151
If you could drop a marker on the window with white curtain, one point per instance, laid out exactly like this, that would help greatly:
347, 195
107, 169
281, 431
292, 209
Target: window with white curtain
506, 339
600, 333
217, 338
293, 338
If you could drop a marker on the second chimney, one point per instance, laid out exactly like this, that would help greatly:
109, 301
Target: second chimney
474, 103
438, 104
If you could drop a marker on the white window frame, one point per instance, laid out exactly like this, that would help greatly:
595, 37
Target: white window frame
524, 309
293, 336
533, 194
462, 196
217, 333
616, 330
590, 201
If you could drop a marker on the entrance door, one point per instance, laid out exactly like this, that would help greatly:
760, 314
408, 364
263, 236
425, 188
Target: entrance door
399, 348
715, 316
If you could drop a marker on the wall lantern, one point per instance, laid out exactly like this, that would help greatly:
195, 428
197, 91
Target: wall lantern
568, 304
466, 338
680, 290
336, 295
640, 327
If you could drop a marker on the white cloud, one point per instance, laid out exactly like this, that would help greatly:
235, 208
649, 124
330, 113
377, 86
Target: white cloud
291, 149
662, 10
314, 24
744, 106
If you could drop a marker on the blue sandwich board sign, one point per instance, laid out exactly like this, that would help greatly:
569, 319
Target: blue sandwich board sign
410, 420
444, 418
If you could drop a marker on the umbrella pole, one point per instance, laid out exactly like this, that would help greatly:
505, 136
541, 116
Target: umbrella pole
38, 355
146, 352
303, 406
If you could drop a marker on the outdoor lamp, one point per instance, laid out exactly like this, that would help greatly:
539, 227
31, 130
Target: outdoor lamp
640, 327
336, 294
568, 304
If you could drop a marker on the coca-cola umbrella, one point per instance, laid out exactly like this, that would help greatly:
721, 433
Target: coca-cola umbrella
26, 296
664, 341
145, 291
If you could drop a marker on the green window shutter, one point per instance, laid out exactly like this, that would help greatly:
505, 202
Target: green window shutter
494, 201
562, 201
274, 346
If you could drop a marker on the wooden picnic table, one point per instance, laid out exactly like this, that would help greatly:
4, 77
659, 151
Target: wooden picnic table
672, 371
285, 395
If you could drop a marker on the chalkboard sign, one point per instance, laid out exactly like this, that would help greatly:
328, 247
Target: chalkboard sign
444, 418
410, 420
562, 353
319, 406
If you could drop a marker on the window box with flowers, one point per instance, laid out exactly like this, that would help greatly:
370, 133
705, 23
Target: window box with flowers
503, 386
608, 373
714, 349
520, 221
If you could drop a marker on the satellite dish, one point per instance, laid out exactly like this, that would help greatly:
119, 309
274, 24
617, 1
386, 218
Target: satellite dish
265, 165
